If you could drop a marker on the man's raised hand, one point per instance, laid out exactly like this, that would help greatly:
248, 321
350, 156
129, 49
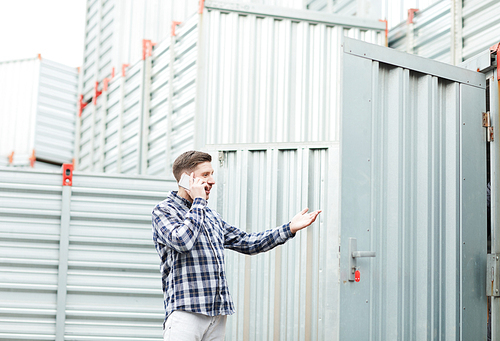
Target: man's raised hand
303, 219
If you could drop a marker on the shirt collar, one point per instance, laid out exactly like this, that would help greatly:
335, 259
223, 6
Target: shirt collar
180, 200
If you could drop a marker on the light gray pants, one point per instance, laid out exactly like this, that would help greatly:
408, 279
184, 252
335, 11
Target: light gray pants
186, 326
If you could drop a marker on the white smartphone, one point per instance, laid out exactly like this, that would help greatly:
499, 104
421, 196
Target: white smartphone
184, 182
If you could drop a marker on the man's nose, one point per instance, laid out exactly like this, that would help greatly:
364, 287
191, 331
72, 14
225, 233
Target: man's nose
211, 180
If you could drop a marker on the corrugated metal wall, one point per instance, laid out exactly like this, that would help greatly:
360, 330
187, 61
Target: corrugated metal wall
394, 11
435, 34
289, 292
273, 78
429, 36
413, 191
210, 94
37, 113
109, 131
78, 262
30, 222
411, 134
172, 98
115, 30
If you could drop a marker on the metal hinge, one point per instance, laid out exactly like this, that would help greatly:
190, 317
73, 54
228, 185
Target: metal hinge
221, 159
487, 124
493, 275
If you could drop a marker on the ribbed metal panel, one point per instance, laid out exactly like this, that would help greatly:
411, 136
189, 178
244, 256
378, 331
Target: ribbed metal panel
37, 113
30, 221
345, 7
83, 254
115, 30
132, 110
429, 36
481, 26
319, 5
172, 98
114, 286
413, 190
110, 130
434, 34
184, 86
273, 78
287, 293
56, 112
17, 130
113, 128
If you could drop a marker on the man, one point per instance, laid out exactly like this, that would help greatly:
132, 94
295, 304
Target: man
190, 239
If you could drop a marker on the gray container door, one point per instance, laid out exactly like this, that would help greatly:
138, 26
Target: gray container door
413, 191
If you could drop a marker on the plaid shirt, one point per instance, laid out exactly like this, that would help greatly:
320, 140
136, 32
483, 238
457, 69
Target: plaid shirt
190, 240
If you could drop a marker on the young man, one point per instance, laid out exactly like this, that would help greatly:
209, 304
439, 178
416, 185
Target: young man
190, 239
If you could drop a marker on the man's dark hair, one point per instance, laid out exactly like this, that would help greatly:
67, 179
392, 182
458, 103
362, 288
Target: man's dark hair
187, 162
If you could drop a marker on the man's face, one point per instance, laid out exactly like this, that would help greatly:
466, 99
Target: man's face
205, 172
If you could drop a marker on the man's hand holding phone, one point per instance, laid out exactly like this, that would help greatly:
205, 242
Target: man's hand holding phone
196, 187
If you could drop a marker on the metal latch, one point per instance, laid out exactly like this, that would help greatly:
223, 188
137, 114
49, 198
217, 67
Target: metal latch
221, 158
353, 254
487, 125
493, 275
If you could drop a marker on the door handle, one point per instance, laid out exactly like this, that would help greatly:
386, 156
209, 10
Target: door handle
357, 254
354, 254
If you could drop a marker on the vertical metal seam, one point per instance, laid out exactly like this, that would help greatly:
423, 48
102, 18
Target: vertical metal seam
63, 263
170, 110
146, 112
119, 143
104, 112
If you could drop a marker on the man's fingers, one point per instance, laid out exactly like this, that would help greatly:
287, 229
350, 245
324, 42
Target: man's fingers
304, 211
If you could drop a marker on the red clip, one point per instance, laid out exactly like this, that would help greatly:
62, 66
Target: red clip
411, 15
113, 72
496, 49
67, 174
123, 69
39, 56
11, 158
386, 27
81, 105
97, 92
357, 276
32, 159
105, 83
201, 7
174, 24
147, 48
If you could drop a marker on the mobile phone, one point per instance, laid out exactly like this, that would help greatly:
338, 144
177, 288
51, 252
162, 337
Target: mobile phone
184, 182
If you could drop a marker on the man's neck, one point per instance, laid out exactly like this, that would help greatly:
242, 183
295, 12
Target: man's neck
183, 194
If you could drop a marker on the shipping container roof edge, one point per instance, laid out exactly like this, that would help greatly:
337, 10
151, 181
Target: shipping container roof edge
268, 146
410, 61
90, 174
301, 15
482, 62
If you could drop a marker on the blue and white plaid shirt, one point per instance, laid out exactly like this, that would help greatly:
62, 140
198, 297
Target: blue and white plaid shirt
190, 240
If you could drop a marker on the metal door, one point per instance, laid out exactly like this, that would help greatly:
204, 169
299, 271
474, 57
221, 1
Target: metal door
413, 195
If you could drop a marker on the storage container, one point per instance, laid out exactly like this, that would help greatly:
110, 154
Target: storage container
78, 262
114, 31
399, 250
37, 111
237, 73
402, 187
